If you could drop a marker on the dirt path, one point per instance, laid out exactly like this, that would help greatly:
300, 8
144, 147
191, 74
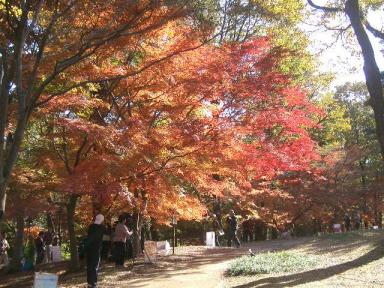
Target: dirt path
348, 262
199, 267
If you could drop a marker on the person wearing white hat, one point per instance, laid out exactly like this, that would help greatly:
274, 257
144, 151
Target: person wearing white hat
94, 240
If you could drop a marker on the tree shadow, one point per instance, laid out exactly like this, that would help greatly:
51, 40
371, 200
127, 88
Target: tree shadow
339, 244
316, 274
169, 266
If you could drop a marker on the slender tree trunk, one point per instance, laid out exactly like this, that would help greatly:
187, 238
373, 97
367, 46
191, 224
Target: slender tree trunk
8, 160
50, 223
19, 240
136, 243
71, 208
137, 235
371, 70
59, 216
3, 196
375, 211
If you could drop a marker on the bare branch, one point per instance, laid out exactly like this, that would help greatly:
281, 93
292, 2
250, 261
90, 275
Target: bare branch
377, 33
325, 9
56, 16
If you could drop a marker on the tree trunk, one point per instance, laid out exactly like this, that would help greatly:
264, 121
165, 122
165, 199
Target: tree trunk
19, 240
375, 210
8, 159
3, 196
137, 236
59, 216
371, 70
71, 208
50, 223
136, 243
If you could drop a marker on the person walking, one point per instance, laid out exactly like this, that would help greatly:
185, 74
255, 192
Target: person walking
4, 246
232, 229
48, 238
119, 239
217, 228
347, 222
93, 250
40, 248
357, 220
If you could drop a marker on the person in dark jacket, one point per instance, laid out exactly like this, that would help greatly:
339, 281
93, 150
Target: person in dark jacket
40, 248
347, 222
232, 229
93, 249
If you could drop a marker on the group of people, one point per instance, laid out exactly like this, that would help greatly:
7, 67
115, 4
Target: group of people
97, 238
231, 231
354, 222
47, 246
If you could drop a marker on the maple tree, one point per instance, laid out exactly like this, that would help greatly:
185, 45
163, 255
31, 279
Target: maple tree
152, 142
233, 148
43, 43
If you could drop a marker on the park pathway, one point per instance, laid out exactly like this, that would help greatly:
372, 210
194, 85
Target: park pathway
191, 267
199, 268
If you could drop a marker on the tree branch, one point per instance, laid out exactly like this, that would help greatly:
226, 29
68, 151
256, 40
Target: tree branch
374, 31
325, 9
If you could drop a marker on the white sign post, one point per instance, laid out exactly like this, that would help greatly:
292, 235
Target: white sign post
56, 254
337, 228
163, 248
210, 239
45, 280
150, 252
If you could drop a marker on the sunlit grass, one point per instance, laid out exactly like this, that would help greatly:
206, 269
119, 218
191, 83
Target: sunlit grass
271, 262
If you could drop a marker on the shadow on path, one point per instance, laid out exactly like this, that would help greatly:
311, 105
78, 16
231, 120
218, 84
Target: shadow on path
317, 274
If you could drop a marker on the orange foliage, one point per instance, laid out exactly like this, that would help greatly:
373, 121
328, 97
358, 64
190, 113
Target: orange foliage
32, 231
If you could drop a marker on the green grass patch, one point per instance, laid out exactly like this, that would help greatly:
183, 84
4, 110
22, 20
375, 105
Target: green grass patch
271, 262
352, 236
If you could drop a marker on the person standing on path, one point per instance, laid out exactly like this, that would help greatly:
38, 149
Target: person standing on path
119, 238
4, 246
40, 248
232, 229
93, 250
48, 238
217, 228
347, 222
356, 220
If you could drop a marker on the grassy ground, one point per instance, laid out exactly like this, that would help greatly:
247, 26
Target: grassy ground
352, 259
347, 260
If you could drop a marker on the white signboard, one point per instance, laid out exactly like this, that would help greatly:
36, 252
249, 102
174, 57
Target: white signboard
150, 251
210, 240
56, 254
45, 280
337, 228
163, 248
